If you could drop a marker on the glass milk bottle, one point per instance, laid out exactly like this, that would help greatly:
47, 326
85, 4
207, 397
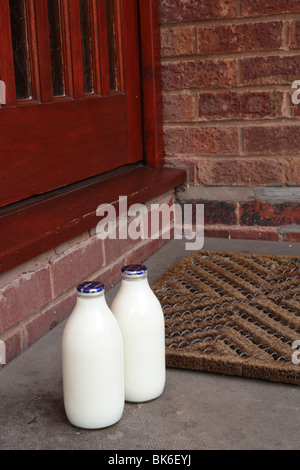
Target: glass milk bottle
141, 321
92, 361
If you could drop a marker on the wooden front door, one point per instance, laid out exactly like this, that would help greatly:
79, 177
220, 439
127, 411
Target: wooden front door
72, 105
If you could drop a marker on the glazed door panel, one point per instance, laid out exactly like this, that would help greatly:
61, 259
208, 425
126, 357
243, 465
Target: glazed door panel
72, 106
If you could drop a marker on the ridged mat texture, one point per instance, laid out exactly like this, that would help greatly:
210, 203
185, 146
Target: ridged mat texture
234, 314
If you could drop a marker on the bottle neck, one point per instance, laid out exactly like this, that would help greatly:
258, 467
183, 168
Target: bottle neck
135, 282
91, 299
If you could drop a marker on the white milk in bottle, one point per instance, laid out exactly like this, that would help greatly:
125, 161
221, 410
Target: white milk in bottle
92, 361
141, 321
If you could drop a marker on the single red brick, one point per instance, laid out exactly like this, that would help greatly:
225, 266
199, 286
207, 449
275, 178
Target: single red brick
259, 105
220, 212
272, 140
219, 105
269, 215
233, 105
213, 232
196, 10
292, 237
240, 37
215, 212
24, 296
176, 41
76, 264
270, 70
295, 34
178, 107
201, 140
269, 7
199, 74
240, 171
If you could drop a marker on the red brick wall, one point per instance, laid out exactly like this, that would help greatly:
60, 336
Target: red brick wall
227, 73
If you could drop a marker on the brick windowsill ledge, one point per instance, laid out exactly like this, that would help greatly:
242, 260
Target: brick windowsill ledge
43, 222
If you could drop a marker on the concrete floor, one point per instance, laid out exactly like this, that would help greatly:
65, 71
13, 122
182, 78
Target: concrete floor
196, 411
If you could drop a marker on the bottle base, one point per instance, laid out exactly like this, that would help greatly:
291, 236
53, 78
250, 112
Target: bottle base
145, 399
92, 427
92, 422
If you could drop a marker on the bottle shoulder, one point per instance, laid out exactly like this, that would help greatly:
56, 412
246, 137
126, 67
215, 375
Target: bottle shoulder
136, 302
91, 319
135, 292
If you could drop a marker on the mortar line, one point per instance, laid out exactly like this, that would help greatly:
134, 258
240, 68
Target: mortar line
219, 56
233, 20
236, 123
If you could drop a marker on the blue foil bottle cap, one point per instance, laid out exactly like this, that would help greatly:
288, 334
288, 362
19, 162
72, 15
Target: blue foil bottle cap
91, 288
134, 271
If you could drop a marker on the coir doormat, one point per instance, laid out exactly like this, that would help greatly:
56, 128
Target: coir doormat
233, 313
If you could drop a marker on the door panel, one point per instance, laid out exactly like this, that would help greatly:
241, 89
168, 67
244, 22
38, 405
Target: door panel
82, 113
60, 143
